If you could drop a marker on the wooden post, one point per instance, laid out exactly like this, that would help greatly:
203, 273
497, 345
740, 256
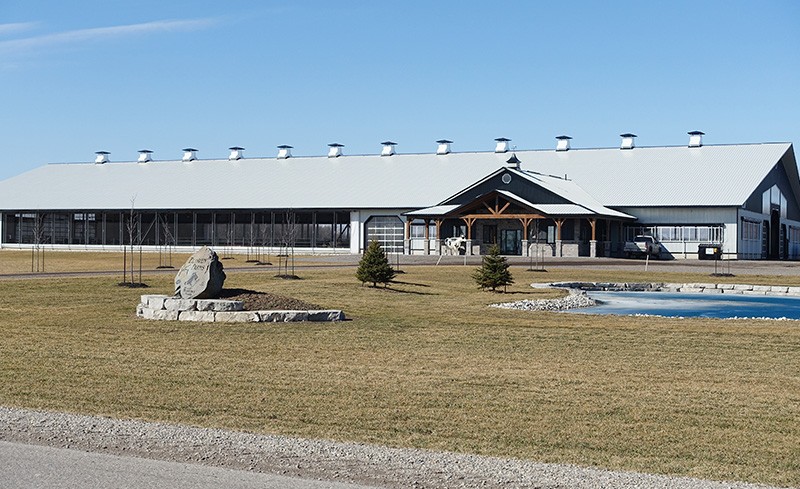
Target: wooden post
559, 223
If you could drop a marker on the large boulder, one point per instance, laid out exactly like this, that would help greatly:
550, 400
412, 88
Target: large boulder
201, 277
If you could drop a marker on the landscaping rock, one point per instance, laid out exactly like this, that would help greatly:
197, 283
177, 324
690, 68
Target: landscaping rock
201, 277
200, 316
180, 305
236, 317
219, 305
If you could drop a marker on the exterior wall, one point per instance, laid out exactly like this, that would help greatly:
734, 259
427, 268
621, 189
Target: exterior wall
752, 246
316, 231
726, 217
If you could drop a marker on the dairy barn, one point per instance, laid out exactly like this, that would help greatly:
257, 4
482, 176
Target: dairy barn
735, 201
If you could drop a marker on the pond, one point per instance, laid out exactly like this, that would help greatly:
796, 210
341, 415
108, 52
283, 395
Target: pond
686, 304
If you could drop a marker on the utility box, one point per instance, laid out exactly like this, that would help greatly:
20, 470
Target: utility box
709, 251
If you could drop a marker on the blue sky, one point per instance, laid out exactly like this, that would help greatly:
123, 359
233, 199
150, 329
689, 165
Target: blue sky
83, 76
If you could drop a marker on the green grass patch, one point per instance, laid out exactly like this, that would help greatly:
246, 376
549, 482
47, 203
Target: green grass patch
426, 364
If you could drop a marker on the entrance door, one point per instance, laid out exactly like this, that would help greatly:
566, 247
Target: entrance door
511, 241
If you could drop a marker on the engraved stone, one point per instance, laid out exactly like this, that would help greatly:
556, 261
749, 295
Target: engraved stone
201, 277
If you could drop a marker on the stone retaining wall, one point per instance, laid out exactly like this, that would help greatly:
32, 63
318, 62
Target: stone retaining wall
166, 308
707, 288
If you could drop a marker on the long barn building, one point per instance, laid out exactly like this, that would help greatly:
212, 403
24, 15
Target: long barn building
740, 200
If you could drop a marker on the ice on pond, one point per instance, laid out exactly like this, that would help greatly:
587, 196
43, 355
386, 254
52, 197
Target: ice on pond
693, 305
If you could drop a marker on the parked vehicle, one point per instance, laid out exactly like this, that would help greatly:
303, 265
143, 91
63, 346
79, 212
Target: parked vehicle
642, 246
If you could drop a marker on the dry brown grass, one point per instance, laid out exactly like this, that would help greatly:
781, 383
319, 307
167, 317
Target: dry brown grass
426, 364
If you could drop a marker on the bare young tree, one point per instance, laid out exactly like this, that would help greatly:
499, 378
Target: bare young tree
288, 237
264, 238
165, 261
133, 225
37, 251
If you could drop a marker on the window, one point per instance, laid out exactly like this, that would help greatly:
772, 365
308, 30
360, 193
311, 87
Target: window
702, 234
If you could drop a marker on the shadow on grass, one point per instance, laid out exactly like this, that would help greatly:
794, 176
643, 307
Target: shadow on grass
409, 283
400, 291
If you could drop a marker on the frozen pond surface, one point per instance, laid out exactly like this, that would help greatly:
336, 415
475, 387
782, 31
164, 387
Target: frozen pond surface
693, 305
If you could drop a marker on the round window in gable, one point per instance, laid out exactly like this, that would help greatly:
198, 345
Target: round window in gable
506, 179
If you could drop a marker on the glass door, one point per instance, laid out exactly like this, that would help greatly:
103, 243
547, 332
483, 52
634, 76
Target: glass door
511, 241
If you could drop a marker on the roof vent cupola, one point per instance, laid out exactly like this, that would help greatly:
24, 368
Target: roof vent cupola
284, 151
502, 145
513, 162
695, 139
335, 150
237, 153
102, 157
144, 156
388, 148
444, 146
189, 154
562, 143
627, 141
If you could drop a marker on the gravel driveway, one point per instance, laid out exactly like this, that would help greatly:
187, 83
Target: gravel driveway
315, 459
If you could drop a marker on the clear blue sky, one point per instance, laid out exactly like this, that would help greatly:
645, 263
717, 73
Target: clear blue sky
82, 76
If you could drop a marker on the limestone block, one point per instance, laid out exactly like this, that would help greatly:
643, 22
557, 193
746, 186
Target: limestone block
155, 301
236, 317
292, 316
270, 316
754, 292
742, 287
732, 291
160, 314
282, 316
725, 286
219, 305
706, 286
690, 289
325, 316
180, 305
712, 291
139, 310
762, 288
779, 288
793, 291
201, 316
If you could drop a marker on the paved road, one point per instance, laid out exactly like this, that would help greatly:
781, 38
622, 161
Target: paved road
36, 467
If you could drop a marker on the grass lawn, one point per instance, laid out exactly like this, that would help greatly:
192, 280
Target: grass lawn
426, 364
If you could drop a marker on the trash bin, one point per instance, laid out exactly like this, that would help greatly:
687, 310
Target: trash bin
709, 252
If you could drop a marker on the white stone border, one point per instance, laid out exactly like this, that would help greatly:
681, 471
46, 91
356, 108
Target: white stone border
166, 308
706, 288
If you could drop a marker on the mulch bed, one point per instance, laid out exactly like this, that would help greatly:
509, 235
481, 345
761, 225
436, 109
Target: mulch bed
261, 301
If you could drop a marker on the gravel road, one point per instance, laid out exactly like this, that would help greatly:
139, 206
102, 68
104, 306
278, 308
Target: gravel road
316, 459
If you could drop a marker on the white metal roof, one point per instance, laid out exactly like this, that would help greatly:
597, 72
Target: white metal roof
662, 176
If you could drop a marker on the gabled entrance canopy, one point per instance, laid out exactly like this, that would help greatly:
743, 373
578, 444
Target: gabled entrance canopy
513, 194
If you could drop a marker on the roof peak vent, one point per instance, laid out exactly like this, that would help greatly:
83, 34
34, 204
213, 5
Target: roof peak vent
388, 148
627, 141
284, 151
189, 154
695, 139
444, 146
502, 145
237, 153
562, 143
144, 156
335, 150
102, 157
513, 162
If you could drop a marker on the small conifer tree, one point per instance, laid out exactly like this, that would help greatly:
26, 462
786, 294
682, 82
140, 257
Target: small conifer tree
374, 266
493, 271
